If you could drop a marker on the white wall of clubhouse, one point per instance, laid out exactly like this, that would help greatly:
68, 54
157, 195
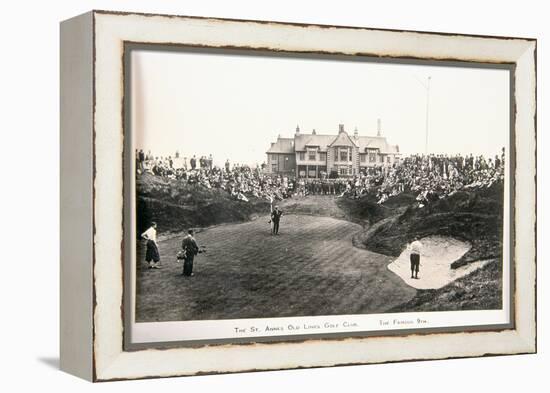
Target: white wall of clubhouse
234, 106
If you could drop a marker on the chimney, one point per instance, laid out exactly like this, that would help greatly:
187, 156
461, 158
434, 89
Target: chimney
356, 133
297, 130
340, 128
313, 132
379, 127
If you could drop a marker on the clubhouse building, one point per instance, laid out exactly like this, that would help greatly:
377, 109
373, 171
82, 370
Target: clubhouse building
312, 155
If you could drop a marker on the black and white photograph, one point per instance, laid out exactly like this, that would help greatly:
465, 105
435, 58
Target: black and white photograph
276, 193
240, 196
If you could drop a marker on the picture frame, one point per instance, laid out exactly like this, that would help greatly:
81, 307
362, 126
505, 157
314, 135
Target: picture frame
97, 253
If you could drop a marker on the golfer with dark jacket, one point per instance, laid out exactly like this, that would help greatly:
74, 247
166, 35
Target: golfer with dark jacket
275, 218
190, 247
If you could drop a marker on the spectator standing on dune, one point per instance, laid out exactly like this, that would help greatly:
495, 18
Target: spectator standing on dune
141, 160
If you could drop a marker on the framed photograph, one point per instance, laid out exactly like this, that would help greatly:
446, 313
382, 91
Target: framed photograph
247, 195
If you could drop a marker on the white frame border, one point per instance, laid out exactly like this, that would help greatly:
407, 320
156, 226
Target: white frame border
111, 30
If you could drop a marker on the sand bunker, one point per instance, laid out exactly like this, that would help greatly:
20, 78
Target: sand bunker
435, 263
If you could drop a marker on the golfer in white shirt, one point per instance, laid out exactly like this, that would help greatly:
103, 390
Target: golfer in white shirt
152, 256
415, 249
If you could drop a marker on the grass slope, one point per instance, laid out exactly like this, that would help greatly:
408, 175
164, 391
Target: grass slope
310, 269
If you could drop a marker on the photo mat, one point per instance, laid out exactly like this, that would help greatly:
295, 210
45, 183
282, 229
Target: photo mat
192, 329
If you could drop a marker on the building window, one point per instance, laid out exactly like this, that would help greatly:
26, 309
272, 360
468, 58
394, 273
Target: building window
343, 155
372, 157
344, 170
323, 156
388, 160
312, 155
381, 158
363, 157
273, 167
286, 163
302, 156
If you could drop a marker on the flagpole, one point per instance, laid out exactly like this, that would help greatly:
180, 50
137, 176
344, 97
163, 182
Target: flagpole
427, 113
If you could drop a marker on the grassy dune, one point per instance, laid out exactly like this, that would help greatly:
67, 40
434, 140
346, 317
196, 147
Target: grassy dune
177, 207
472, 216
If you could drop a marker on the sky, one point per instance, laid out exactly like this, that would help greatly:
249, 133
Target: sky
234, 106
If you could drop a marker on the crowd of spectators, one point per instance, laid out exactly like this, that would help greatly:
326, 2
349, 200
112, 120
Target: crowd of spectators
429, 177
241, 181
432, 177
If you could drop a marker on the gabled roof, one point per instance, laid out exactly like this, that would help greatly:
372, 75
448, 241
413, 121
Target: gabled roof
372, 142
283, 145
376, 142
301, 142
343, 139
310, 140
